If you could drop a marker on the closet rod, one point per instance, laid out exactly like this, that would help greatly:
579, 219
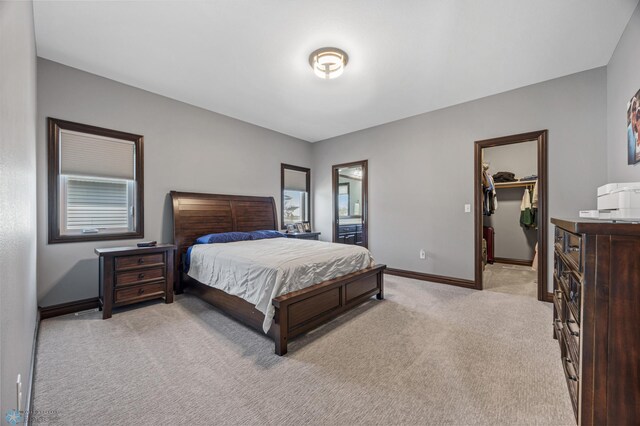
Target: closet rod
517, 184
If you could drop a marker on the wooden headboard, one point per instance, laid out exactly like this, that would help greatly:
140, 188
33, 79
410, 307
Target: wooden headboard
197, 214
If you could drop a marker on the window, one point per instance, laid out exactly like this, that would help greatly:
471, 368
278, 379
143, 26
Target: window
296, 194
95, 183
343, 200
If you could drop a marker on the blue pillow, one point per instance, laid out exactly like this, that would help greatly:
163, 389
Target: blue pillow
263, 235
223, 237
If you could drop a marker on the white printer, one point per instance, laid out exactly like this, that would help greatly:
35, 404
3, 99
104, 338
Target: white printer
619, 201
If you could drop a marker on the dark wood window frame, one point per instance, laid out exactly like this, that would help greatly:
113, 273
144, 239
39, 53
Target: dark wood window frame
54, 127
306, 170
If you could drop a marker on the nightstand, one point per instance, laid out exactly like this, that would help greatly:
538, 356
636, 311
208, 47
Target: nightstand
304, 235
134, 274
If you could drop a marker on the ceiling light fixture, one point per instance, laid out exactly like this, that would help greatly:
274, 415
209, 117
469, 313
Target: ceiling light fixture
328, 62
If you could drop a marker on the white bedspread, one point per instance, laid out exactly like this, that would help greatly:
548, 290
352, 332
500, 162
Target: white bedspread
261, 270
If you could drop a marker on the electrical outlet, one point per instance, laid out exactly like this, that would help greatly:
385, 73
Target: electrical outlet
423, 254
467, 208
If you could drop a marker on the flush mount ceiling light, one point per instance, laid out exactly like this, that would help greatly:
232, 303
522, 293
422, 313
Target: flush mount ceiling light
328, 62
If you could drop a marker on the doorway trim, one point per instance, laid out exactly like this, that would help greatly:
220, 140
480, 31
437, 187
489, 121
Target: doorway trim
365, 198
541, 137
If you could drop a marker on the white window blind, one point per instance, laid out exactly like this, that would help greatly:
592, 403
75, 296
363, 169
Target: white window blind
95, 204
295, 180
83, 154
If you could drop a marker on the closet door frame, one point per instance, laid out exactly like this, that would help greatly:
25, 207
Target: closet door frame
541, 137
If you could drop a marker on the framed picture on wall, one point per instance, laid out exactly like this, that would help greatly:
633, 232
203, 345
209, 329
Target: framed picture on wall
633, 128
306, 226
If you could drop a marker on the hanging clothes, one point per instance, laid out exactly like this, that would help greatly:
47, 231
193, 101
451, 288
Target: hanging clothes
527, 213
490, 199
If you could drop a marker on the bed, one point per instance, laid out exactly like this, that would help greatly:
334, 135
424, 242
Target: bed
295, 312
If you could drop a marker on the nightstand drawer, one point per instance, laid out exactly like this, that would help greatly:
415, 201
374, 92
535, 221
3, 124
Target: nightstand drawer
127, 262
131, 293
139, 276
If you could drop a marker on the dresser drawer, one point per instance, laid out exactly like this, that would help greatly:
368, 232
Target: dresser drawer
128, 262
348, 228
574, 296
572, 382
563, 286
136, 292
558, 238
560, 268
557, 302
573, 250
571, 331
139, 276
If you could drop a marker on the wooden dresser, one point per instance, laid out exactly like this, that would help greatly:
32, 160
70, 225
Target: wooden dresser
350, 234
135, 274
597, 318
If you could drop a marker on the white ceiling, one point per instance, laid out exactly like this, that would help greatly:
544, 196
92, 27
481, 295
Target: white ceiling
248, 59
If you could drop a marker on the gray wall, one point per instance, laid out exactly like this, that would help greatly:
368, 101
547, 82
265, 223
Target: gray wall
512, 240
623, 81
17, 198
421, 168
185, 148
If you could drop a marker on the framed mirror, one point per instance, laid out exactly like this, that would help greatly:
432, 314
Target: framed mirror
350, 203
295, 202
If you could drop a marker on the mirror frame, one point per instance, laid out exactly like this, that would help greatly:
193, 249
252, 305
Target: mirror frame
306, 170
365, 198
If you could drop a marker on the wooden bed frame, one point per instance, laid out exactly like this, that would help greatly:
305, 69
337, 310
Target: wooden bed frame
297, 312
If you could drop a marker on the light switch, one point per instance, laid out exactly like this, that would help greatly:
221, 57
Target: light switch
467, 208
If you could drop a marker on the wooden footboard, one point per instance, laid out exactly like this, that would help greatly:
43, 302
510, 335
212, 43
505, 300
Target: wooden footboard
302, 310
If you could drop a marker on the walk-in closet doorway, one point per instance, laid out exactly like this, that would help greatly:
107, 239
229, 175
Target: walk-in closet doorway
482, 209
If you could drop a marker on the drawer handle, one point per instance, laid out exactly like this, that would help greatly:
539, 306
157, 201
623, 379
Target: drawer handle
140, 261
140, 276
140, 291
574, 248
569, 375
572, 332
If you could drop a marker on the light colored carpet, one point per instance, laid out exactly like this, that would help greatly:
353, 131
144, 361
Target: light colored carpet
512, 279
428, 354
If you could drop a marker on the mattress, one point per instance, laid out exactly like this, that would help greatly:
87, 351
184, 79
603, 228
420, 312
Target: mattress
261, 270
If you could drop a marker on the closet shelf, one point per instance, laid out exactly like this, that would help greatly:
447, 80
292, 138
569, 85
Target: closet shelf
517, 184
